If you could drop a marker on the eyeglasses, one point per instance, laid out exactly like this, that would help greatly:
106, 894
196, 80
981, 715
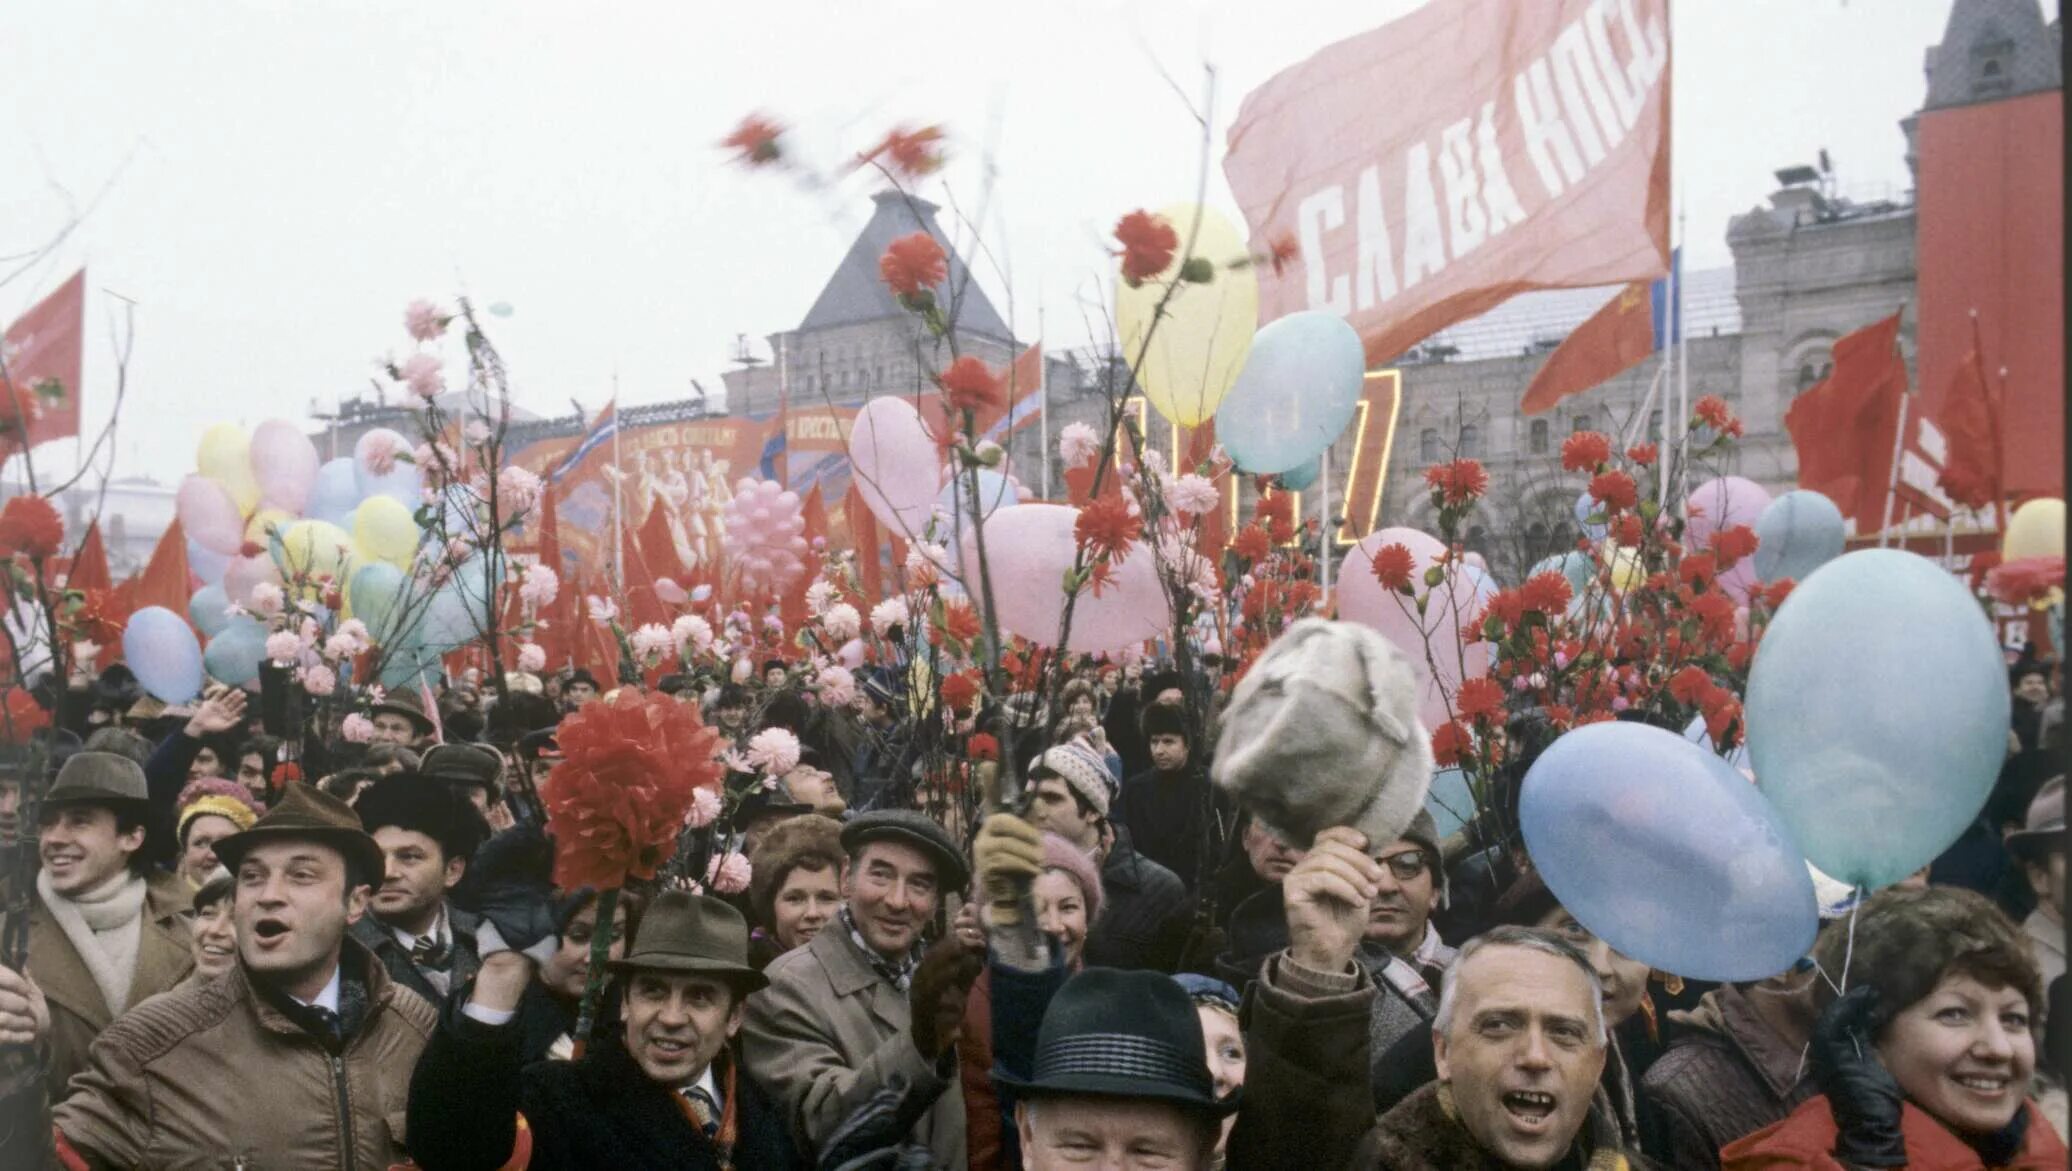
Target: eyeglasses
1406, 866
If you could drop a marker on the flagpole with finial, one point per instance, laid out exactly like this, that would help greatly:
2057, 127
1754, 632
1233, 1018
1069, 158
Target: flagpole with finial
618, 494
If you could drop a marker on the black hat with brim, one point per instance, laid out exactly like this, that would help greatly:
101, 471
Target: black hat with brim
911, 828
1122, 1034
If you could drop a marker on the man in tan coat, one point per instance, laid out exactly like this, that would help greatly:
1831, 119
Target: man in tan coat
105, 933
299, 1057
837, 1024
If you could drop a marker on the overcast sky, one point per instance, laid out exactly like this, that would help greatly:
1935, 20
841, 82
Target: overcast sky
271, 182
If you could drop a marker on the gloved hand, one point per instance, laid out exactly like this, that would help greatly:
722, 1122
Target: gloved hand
1860, 1091
516, 895
936, 996
1007, 856
872, 1137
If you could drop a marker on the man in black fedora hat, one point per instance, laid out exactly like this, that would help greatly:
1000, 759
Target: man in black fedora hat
428, 834
297, 1057
665, 1089
106, 928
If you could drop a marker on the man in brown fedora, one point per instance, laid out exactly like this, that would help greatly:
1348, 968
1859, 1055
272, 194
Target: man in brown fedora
665, 1088
106, 930
297, 1057
400, 719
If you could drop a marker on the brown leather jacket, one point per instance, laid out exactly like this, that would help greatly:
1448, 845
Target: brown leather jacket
213, 1075
78, 1011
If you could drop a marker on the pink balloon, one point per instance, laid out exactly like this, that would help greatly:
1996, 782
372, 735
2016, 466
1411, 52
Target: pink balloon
1722, 504
896, 466
209, 515
285, 463
1450, 605
669, 592
1030, 547
851, 654
246, 572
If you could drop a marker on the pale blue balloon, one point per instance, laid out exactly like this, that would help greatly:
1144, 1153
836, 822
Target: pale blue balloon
209, 609
1449, 801
410, 666
1300, 386
1576, 567
995, 492
1877, 714
1587, 507
404, 483
335, 494
460, 612
1736, 756
159, 646
376, 588
206, 564
233, 654
1302, 475
1798, 532
1667, 854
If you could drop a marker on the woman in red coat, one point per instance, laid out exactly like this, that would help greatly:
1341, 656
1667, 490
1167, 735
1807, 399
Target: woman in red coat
1927, 1061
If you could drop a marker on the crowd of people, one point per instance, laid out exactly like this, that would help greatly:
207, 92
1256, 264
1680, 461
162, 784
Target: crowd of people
232, 964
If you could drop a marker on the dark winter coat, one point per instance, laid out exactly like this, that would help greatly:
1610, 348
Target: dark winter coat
1737, 1068
1144, 915
1169, 819
601, 1111
396, 958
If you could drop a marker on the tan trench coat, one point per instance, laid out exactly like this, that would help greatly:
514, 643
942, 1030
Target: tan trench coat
828, 1032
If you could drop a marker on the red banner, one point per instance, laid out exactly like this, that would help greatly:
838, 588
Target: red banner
1433, 167
45, 346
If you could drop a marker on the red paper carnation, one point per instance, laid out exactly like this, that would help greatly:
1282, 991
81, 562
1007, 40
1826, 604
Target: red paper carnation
1584, 451
1106, 528
2025, 579
1458, 482
28, 524
912, 263
1393, 566
970, 385
911, 154
982, 747
1449, 742
616, 801
755, 141
1251, 543
1479, 698
1148, 243
1548, 593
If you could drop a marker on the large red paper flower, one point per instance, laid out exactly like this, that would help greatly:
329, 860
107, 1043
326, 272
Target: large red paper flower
1276, 510
1459, 482
28, 524
1393, 566
2025, 579
1106, 527
755, 141
630, 767
1479, 699
1712, 410
1251, 544
913, 263
1615, 490
24, 717
1584, 451
970, 385
1148, 243
1448, 742
1733, 543
960, 691
1548, 593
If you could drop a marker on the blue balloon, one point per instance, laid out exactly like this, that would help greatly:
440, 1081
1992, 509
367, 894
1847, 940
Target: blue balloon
1799, 532
206, 564
159, 646
1449, 801
233, 654
375, 589
1586, 507
1576, 567
995, 492
1667, 854
460, 612
209, 609
403, 482
1302, 475
1299, 388
410, 666
335, 494
1877, 714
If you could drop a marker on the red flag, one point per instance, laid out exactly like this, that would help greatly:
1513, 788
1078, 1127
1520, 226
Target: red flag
90, 565
42, 354
164, 581
640, 605
557, 636
1844, 428
1969, 418
1612, 341
1425, 171
658, 547
869, 546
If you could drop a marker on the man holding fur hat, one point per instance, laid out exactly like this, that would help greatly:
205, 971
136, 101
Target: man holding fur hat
665, 1089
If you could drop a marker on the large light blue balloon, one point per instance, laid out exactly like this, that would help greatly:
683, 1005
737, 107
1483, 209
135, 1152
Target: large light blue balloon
1587, 507
233, 654
1449, 801
159, 646
1877, 714
1298, 390
1302, 475
336, 493
995, 491
460, 612
1667, 854
209, 609
1798, 533
376, 588
404, 482
206, 564
410, 666
1576, 567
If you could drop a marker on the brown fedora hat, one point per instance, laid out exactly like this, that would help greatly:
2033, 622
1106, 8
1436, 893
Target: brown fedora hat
404, 702
689, 933
305, 813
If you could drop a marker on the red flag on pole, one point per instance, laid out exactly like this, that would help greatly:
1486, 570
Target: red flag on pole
869, 546
1612, 341
164, 581
90, 565
41, 354
658, 547
1969, 418
1845, 427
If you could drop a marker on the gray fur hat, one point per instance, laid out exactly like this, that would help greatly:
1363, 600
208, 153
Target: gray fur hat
1323, 731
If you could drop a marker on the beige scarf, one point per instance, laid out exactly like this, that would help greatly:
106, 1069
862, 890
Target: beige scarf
105, 925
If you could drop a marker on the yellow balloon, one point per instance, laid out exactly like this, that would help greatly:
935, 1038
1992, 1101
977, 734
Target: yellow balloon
2037, 529
316, 548
265, 523
225, 456
384, 530
1200, 343
1624, 564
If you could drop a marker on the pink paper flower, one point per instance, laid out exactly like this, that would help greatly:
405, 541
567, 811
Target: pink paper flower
819, 596
532, 658
282, 647
541, 586
773, 751
842, 622
436, 462
267, 599
517, 490
602, 610
356, 729
836, 686
729, 875
704, 809
423, 375
1078, 445
319, 680
651, 644
425, 321
378, 451
1193, 495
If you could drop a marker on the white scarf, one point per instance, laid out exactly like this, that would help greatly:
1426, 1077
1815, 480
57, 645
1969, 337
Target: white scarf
104, 925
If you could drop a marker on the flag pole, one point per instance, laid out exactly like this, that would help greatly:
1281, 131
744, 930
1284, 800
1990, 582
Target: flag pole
1899, 442
1324, 521
1680, 336
618, 493
1043, 400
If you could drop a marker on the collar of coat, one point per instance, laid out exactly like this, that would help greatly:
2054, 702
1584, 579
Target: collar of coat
163, 955
364, 990
1425, 1131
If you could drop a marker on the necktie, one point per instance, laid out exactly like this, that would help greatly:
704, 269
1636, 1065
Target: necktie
326, 1023
703, 1110
432, 953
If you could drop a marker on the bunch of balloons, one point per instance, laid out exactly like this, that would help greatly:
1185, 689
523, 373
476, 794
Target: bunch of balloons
766, 535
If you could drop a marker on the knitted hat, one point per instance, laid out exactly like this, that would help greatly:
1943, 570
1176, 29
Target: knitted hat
214, 796
796, 841
439, 812
1165, 719
1086, 773
1323, 731
1059, 854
